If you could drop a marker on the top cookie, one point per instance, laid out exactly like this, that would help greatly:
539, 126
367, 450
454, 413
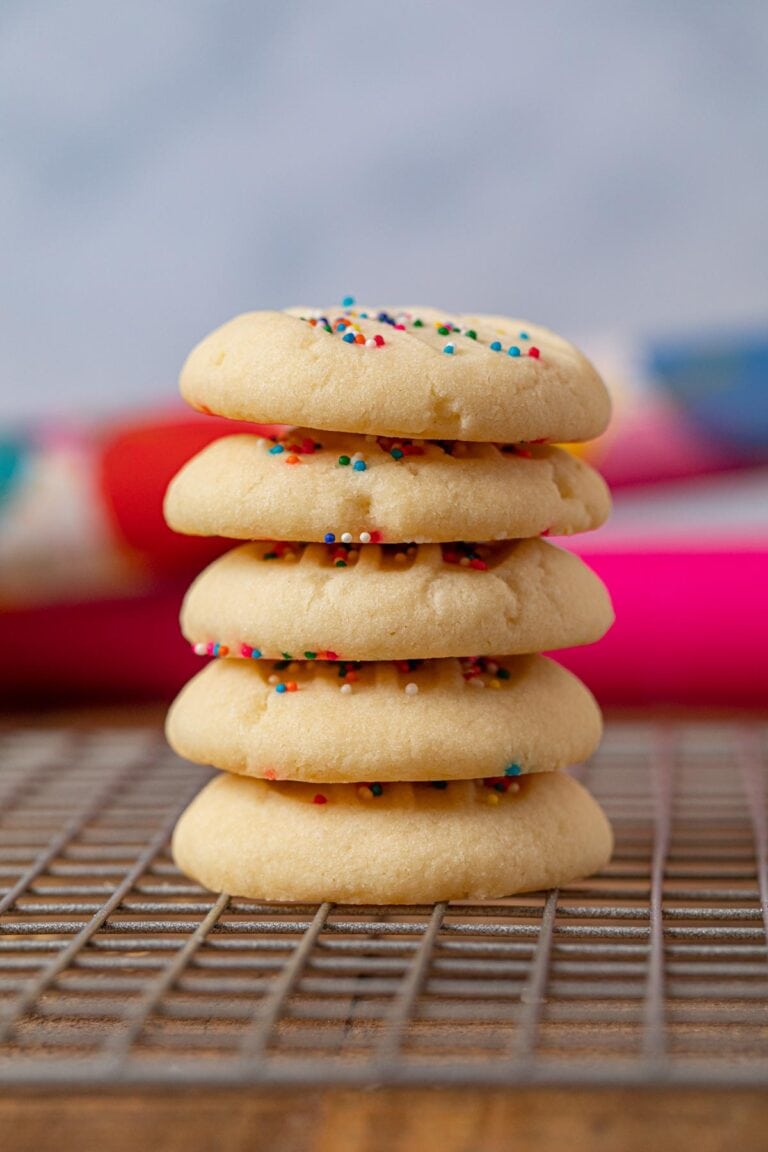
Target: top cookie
398, 372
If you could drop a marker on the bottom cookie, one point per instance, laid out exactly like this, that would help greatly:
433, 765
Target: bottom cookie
412, 844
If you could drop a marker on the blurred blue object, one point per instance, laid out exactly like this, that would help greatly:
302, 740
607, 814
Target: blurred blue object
723, 385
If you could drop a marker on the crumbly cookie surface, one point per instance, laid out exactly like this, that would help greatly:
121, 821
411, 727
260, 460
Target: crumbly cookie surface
411, 844
386, 603
309, 484
400, 720
416, 371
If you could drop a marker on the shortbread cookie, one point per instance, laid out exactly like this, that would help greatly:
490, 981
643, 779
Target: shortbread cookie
388, 603
404, 720
412, 844
311, 484
399, 372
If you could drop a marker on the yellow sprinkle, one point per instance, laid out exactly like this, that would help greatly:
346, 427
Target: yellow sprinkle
494, 683
492, 798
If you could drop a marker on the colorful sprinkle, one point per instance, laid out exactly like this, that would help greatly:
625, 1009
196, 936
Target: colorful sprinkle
379, 341
496, 346
348, 302
343, 460
346, 688
513, 351
471, 334
359, 466
411, 689
329, 538
319, 799
280, 688
276, 449
346, 537
512, 770
534, 352
449, 349
523, 335
376, 789
348, 338
439, 784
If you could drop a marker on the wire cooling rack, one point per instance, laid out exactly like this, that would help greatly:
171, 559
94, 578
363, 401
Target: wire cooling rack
115, 970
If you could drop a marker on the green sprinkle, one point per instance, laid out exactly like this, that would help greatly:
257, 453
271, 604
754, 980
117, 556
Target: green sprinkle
269, 556
443, 331
310, 655
376, 789
344, 460
340, 564
418, 323
503, 674
286, 656
470, 332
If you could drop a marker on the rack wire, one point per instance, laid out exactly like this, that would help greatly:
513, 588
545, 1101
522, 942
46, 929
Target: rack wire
117, 971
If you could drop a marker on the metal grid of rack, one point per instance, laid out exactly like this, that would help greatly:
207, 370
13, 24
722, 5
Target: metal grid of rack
115, 970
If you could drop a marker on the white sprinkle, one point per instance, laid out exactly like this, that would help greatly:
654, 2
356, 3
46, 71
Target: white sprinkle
357, 457
365, 537
370, 344
346, 537
201, 649
346, 689
476, 682
411, 689
273, 679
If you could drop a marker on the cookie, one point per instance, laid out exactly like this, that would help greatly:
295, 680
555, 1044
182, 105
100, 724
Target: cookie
311, 483
413, 844
389, 603
437, 720
416, 372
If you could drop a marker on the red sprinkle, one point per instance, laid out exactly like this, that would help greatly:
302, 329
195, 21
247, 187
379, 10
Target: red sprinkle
270, 774
534, 352
480, 565
319, 799
376, 537
378, 341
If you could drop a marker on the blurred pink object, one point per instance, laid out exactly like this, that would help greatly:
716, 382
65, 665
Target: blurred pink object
691, 627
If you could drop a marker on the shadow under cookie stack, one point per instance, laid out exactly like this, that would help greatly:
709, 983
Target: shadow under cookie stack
386, 729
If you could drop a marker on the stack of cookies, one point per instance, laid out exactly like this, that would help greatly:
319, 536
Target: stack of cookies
387, 732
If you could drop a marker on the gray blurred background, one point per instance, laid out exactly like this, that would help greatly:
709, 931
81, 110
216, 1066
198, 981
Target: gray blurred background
597, 166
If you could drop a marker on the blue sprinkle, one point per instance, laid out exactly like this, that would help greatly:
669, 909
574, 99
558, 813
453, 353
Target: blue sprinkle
514, 351
496, 346
348, 301
280, 688
512, 770
449, 349
276, 450
363, 315
524, 336
256, 654
329, 538
349, 338
216, 649
397, 453
359, 465
376, 789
